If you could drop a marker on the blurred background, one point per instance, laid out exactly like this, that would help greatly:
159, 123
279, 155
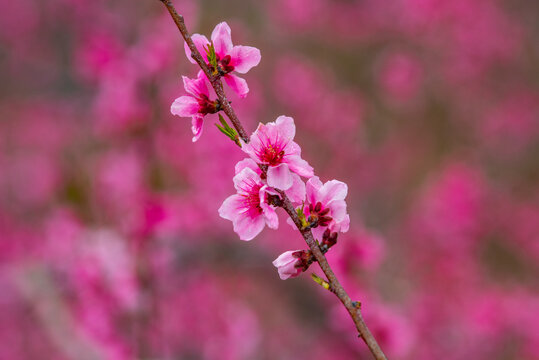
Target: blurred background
110, 242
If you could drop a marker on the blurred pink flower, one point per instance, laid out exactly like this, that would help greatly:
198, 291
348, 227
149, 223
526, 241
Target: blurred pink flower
400, 77
249, 210
327, 201
229, 57
272, 145
286, 264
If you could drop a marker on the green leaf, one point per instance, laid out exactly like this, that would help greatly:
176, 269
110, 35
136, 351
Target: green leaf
320, 281
212, 57
222, 130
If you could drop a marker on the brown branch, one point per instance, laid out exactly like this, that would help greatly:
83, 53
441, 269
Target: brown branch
335, 286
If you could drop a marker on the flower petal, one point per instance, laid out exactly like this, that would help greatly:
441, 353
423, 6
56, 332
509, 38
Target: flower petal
285, 258
285, 126
247, 227
243, 58
338, 209
244, 180
312, 187
222, 40
200, 42
270, 215
296, 193
333, 190
196, 87
345, 224
185, 106
299, 166
318, 232
247, 163
196, 126
237, 84
280, 177
231, 207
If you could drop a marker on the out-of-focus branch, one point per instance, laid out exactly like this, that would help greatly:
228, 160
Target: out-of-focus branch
335, 286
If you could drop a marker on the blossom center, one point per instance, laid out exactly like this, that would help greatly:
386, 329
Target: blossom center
223, 65
251, 200
206, 106
272, 155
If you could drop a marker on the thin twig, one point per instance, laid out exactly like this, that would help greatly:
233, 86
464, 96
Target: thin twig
336, 287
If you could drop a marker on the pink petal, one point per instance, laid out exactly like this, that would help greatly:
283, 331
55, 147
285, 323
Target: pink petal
270, 216
299, 166
247, 163
338, 209
285, 258
248, 227
312, 187
280, 177
200, 42
286, 128
185, 106
296, 193
231, 207
292, 148
288, 271
255, 145
345, 224
221, 39
333, 190
243, 58
237, 84
318, 232
196, 126
197, 86
277, 133
245, 177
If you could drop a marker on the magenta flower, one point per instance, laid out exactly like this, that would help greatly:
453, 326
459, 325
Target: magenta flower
229, 57
327, 205
289, 264
196, 104
249, 209
272, 145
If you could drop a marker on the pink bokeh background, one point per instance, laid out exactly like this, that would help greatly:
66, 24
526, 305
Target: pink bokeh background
111, 246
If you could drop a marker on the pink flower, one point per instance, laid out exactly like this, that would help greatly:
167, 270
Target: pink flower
272, 145
249, 210
195, 105
286, 264
229, 57
296, 193
326, 202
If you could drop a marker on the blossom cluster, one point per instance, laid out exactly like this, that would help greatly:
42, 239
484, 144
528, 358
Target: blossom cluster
274, 165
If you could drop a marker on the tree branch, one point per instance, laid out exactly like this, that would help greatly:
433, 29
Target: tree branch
335, 286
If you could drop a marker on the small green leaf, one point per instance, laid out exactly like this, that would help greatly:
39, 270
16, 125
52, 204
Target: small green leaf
212, 57
223, 122
320, 281
222, 130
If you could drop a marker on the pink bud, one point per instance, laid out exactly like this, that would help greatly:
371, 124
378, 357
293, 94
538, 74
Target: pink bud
286, 264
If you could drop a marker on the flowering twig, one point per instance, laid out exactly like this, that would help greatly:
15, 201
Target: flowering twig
214, 79
352, 307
